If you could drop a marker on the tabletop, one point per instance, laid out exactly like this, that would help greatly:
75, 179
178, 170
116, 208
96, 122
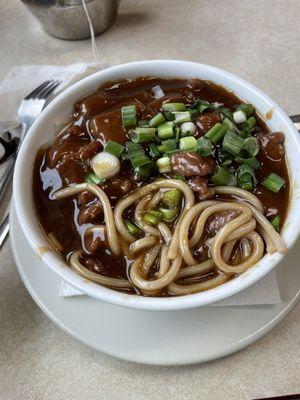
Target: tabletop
257, 40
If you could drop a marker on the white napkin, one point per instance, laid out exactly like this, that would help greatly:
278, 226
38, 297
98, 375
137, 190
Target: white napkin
21, 80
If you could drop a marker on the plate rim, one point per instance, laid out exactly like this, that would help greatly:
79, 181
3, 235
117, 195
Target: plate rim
228, 350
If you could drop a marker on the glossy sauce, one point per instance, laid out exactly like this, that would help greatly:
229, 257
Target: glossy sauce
96, 120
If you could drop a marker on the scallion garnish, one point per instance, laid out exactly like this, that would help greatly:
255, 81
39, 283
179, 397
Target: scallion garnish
246, 108
167, 146
114, 148
173, 107
251, 122
232, 143
239, 117
164, 165
131, 227
216, 133
252, 162
158, 119
188, 128
128, 114
93, 178
182, 116
273, 182
143, 135
144, 171
251, 146
204, 146
153, 217
169, 214
230, 126
223, 177
136, 154
172, 198
165, 130
276, 223
245, 177
153, 150
179, 178
187, 143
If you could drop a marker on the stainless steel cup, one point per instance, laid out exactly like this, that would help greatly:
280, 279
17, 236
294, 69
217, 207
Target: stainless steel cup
66, 19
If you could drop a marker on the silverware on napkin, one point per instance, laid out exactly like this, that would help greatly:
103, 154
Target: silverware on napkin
28, 111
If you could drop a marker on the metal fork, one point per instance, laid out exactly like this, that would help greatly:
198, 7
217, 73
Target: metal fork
28, 111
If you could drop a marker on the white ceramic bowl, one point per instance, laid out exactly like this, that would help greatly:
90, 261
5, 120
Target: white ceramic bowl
59, 111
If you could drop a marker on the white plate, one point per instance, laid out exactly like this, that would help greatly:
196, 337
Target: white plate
151, 337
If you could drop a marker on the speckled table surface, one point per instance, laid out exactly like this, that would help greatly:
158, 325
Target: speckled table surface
257, 40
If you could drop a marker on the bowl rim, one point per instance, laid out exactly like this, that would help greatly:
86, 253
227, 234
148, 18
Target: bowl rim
36, 237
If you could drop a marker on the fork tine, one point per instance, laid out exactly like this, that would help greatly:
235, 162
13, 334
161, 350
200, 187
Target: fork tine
48, 89
34, 93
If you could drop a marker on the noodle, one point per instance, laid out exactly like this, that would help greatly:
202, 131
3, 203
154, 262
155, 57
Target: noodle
108, 214
140, 244
132, 198
156, 284
92, 276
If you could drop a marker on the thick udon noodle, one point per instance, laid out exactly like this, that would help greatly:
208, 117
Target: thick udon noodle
163, 258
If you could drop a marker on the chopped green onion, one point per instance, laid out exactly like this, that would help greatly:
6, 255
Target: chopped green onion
251, 122
174, 107
216, 133
182, 116
246, 108
230, 126
172, 198
165, 130
187, 143
251, 146
144, 171
93, 178
143, 135
179, 178
128, 114
164, 165
226, 162
239, 117
153, 217
226, 113
167, 146
169, 116
114, 148
232, 143
143, 123
188, 128
204, 146
153, 150
245, 177
136, 154
273, 182
223, 177
169, 215
133, 229
158, 119
276, 223
252, 162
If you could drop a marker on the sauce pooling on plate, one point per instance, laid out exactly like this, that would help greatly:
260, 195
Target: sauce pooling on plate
162, 187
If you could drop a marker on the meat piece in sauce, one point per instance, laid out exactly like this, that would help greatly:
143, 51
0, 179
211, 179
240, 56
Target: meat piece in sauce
85, 198
91, 213
108, 125
273, 145
199, 185
188, 163
217, 221
207, 120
